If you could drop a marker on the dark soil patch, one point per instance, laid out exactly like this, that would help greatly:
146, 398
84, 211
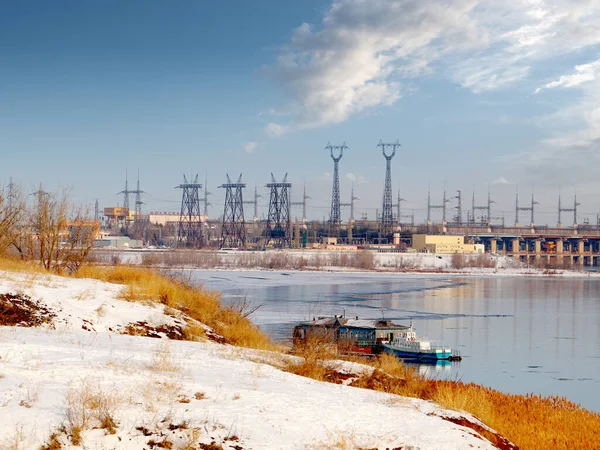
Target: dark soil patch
214, 337
378, 381
498, 441
142, 328
333, 376
21, 311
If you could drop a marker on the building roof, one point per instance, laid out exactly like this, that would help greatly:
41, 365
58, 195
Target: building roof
347, 322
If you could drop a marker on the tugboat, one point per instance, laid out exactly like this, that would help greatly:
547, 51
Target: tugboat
408, 345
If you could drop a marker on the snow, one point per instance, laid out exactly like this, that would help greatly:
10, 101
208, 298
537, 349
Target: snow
225, 394
391, 262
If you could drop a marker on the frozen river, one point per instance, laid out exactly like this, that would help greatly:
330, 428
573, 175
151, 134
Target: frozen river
516, 334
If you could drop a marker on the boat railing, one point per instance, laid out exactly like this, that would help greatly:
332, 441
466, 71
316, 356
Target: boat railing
437, 344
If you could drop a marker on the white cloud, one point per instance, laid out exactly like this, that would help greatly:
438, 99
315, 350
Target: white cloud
355, 178
249, 147
364, 52
326, 176
275, 129
500, 180
583, 73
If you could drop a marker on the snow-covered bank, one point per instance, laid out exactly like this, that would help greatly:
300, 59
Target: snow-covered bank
332, 261
186, 393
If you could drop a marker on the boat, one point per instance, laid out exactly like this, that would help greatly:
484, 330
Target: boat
407, 345
350, 335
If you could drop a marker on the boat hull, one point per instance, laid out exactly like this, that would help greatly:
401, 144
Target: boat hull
435, 355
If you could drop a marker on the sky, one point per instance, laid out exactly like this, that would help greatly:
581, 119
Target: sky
500, 95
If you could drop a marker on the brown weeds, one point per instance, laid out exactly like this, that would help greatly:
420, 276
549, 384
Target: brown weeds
202, 305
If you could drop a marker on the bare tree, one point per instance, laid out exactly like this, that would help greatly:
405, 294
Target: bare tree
54, 232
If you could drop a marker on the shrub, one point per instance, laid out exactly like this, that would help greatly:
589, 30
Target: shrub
458, 261
364, 260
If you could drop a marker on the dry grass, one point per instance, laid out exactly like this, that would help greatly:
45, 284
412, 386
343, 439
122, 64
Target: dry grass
162, 359
529, 421
202, 305
11, 264
89, 407
53, 443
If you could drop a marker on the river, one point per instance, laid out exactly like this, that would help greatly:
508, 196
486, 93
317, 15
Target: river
516, 334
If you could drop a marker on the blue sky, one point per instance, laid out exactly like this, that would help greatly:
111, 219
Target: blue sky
479, 93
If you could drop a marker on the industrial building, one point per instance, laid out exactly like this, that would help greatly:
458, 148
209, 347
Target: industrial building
442, 244
165, 218
118, 215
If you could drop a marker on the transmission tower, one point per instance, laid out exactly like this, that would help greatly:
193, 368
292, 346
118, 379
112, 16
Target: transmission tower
487, 208
138, 199
334, 217
126, 193
279, 227
11, 194
399, 201
442, 206
189, 233
206, 194
387, 215
350, 203
254, 203
303, 204
233, 231
573, 209
458, 207
40, 194
525, 208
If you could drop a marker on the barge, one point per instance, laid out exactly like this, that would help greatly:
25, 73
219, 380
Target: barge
350, 335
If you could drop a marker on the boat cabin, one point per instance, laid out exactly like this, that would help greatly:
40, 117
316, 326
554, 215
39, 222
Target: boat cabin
351, 334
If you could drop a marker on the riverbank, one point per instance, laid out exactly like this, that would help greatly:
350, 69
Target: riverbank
77, 376
340, 261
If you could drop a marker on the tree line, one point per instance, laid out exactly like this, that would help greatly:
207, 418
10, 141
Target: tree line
47, 228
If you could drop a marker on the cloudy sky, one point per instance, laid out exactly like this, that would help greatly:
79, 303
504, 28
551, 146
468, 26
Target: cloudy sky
500, 93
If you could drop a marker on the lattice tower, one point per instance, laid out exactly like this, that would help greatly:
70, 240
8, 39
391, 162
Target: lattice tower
206, 194
190, 233
334, 216
233, 230
387, 215
279, 227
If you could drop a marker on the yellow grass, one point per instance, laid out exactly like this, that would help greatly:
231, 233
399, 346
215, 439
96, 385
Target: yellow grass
205, 306
531, 422
18, 265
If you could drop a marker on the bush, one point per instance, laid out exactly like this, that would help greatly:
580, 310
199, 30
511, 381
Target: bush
364, 259
458, 261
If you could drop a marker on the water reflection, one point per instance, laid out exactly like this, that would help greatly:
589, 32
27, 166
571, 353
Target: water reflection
515, 334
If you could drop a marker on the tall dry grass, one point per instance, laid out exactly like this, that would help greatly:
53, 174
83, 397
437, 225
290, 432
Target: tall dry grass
12, 264
531, 422
205, 306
